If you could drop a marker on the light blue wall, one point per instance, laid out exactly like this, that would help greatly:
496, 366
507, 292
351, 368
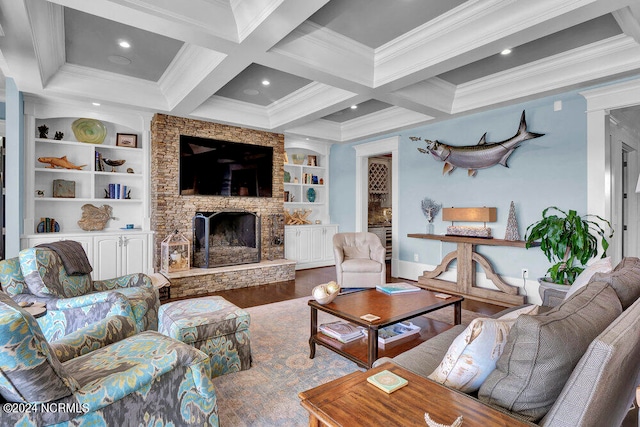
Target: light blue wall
546, 171
14, 163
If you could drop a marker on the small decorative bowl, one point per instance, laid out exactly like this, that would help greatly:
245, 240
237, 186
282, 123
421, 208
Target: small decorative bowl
297, 159
327, 298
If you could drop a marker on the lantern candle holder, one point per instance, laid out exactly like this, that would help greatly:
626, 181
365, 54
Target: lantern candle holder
175, 253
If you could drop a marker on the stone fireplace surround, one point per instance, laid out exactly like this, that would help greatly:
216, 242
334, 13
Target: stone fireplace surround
171, 211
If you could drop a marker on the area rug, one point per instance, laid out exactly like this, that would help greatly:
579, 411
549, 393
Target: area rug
267, 394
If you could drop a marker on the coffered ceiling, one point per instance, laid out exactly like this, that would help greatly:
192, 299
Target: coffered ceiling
338, 70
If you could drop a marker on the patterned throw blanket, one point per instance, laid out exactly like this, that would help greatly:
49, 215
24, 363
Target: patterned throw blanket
72, 254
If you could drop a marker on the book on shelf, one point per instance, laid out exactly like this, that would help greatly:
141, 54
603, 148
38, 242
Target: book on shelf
342, 331
387, 381
397, 288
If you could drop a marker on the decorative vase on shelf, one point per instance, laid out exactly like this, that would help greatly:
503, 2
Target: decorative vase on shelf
430, 228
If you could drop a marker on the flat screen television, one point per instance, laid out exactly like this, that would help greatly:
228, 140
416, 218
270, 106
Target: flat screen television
213, 167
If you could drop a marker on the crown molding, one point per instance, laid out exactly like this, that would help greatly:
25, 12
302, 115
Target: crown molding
233, 112
310, 99
618, 95
249, 14
608, 57
74, 80
214, 18
434, 93
319, 129
328, 51
383, 121
191, 65
628, 22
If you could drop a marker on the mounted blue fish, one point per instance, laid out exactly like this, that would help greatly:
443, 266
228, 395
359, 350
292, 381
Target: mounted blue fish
481, 156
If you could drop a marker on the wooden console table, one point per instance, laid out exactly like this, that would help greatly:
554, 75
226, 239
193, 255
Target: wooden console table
465, 284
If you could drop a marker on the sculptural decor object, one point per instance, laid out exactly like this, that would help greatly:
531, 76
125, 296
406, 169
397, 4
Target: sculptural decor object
480, 156
59, 162
114, 163
44, 130
89, 130
58, 136
95, 218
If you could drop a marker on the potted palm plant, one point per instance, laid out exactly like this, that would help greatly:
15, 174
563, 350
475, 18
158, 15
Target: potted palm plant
569, 241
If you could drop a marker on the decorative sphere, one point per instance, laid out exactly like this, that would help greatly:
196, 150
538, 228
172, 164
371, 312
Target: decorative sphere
332, 287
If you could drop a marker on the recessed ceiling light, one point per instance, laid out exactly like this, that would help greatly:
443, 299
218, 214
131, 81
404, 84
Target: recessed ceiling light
251, 92
125, 44
353, 107
506, 52
120, 60
97, 104
266, 82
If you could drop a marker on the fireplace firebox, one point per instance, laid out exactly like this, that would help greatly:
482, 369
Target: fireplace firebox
224, 238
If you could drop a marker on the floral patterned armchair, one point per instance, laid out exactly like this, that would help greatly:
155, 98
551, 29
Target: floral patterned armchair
75, 301
104, 374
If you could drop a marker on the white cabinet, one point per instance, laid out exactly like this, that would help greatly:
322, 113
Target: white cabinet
310, 245
111, 254
297, 244
120, 254
85, 240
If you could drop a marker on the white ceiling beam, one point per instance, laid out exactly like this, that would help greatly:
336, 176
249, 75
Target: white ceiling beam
629, 23
311, 102
17, 46
614, 56
281, 21
160, 21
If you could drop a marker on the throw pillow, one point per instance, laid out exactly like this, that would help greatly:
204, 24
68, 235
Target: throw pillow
354, 252
602, 265
624, 279
472, 355
542, 351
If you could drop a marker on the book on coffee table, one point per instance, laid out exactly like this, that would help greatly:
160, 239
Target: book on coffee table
396, 332
342, 331
397, 288
387, 381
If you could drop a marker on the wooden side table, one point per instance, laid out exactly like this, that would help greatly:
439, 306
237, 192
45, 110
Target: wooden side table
351, 401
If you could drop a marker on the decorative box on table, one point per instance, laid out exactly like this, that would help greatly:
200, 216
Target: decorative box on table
483, 214
175, 253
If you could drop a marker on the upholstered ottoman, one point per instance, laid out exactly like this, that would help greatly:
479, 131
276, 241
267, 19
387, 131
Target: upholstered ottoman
213, 325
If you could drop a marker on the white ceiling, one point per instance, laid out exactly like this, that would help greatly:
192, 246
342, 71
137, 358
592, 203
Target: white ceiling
402, 62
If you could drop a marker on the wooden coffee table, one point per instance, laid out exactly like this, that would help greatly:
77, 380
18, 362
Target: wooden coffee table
352, 401
391, 309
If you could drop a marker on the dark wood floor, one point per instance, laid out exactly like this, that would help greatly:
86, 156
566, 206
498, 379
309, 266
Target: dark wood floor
304, 283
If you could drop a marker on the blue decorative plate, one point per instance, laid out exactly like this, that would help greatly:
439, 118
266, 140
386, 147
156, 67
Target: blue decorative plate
311, 195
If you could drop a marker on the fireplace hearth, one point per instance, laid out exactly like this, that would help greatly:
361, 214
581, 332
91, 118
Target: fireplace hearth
224, 238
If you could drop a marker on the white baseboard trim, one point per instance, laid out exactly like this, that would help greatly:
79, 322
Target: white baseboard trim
412, 270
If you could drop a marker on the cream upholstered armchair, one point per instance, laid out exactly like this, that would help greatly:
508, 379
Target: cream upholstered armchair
360, 259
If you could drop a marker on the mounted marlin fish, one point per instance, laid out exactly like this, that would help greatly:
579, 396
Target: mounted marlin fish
481, 156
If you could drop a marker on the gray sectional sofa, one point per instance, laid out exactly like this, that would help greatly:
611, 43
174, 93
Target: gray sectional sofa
577, 364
